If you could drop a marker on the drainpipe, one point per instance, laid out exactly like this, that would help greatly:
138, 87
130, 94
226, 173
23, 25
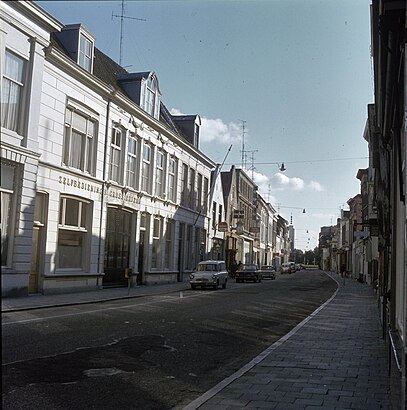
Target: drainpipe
103, 188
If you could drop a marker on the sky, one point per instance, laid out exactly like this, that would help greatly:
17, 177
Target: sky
280, 81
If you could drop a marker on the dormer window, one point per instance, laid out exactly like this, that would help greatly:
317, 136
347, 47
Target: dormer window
85, 52
79, 44
143, 89
151, 96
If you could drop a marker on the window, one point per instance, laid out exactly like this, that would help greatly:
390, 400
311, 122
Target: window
145, 172
205, 195
171, 194
72, 233
116, 156
80, 144
12, 91
184, 185
132, 162
169, 240
159, 174
7, 191
199, 189
192, 193
155, 251
85, 53
220, 213
150, 100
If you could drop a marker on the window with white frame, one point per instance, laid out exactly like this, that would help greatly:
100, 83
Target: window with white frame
156, 248
169, 244
146, 168
220, 209
117, 149
132, 164
85, 55
150, 96
192, 192
80, 141
205, 195
72, 233
171, 187
12, 91
199, 192
7, 188
159, 174
184, 185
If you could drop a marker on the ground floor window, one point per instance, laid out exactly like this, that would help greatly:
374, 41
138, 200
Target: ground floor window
169, 241
72, 233
156, 248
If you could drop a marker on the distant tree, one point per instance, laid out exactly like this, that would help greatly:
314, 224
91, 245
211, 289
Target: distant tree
312, 257
297, 256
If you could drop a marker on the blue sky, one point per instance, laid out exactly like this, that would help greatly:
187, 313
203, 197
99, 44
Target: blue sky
298, 72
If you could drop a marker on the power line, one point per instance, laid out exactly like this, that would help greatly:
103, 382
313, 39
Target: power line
308, 160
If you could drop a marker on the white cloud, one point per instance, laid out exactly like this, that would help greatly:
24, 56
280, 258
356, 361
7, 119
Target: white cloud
316, 186
176, 111
212, 130
216, 130
280, 182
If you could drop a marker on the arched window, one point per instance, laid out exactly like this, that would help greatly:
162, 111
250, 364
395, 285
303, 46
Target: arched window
151, 100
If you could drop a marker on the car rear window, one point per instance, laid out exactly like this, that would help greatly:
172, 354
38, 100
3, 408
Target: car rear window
207, 267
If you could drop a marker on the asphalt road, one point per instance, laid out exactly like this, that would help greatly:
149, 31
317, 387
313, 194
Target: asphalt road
157, 352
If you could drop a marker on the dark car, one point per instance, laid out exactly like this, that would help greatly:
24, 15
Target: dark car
248, 272
268, 272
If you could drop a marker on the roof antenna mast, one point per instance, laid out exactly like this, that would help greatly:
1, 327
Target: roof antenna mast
243, 150
122, 17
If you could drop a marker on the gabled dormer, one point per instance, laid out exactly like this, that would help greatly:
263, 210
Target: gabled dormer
79, 43
190, 126
143, 89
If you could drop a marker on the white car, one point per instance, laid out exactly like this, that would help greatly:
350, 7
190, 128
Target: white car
209, 273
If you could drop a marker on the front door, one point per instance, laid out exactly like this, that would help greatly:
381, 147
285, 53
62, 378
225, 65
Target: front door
117, 248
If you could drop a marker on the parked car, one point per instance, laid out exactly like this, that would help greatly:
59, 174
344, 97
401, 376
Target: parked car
209, 273
268, 272
288, 267
248, 272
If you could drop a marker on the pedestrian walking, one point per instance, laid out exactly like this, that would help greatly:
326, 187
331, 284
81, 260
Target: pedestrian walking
233, 269
343, 272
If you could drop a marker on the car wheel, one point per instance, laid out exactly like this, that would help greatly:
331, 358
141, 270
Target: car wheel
224, 285
259, 280
216, 285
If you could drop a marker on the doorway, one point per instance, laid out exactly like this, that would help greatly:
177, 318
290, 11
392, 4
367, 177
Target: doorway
117, 248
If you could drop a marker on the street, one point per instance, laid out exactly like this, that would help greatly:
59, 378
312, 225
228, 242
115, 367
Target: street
157, 352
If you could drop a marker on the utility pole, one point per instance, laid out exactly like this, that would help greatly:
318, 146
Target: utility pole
122, 17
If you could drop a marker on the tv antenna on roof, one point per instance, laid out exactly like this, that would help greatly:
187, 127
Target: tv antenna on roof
122, 17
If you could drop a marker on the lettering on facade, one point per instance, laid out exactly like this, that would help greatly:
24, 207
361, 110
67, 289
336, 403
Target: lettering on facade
112, 193
77, 183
